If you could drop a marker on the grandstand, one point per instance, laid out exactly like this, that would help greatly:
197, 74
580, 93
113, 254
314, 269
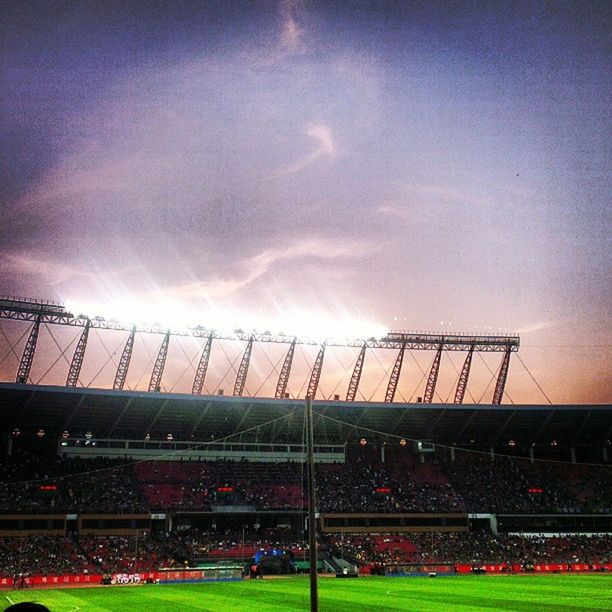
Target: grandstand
119, 484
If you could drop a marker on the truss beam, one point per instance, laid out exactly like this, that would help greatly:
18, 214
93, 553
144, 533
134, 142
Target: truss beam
77, 359
395, 340
160, 364
463, 378
27, 357
124, 362
200, 375
243, 370
500, 386
283, 379
432, 380
395, 376
356, 376
315, 375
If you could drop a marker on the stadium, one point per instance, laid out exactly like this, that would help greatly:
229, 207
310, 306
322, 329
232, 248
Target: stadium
116, 486
305, 305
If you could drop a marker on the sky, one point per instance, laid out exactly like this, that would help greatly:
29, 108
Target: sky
358, 166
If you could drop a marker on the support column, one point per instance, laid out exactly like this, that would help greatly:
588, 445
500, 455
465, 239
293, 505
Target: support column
452, 454
433, 377
27, 357
395, 374
243, 370
502, 378
463, 377
573, 454
124, 362
492, 453
160, 364
77, 359
315, 376
356, 376
604, 454
493, 523
200, 375
531, 455
283, 379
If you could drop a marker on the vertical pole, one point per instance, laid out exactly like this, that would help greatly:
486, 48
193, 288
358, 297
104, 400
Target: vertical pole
531, 455
312, 524
243, 547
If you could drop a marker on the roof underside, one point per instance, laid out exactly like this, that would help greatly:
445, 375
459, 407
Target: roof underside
132, 414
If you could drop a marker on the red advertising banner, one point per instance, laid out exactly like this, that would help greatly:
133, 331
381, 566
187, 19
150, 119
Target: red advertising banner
195, 575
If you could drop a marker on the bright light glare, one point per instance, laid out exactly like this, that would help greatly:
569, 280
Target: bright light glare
173, 315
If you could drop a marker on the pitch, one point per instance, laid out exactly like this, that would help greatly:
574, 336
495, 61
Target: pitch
559, 592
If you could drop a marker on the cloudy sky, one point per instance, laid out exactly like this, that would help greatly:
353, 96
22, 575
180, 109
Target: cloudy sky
391, 165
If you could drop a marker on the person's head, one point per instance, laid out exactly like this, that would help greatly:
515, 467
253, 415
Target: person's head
27, 606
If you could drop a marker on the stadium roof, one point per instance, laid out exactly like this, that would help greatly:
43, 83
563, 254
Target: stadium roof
128, 414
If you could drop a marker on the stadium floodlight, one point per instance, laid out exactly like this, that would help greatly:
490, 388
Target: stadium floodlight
315, 324
162, 312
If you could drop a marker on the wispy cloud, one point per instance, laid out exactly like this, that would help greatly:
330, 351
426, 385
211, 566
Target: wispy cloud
255, 267
51, 272
291, 32
325, 149
416, 202
538, 326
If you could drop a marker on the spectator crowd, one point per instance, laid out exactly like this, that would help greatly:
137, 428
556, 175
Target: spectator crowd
472, 483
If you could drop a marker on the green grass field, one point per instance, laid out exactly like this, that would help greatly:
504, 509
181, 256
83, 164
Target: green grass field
558, 592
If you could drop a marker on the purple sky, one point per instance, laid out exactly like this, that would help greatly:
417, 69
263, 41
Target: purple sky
407, 165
